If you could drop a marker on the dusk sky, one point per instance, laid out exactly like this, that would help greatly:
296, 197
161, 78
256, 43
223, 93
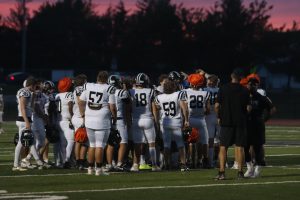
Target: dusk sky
284, 11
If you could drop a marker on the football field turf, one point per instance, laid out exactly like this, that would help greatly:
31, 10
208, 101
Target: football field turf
279, 180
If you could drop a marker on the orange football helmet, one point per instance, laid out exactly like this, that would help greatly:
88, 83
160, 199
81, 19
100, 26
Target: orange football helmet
81, 135
196, 79
194, 137
64, 84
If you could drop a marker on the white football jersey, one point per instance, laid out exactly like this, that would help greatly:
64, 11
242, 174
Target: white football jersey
170, 108
213, 91
141, 102
98, 97
120, 96
76, 94
62, 102
196, 100
25, 92
41, 100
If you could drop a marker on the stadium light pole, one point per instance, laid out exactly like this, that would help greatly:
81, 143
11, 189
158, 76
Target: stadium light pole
24, 38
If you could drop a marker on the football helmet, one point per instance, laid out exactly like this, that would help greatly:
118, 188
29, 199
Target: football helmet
186, 132
196, 80
114, 137
114, 80
48, 84
64, 84
27, 138
190, 135
142, 79
194, 136
175, 76
81, 135
16, 139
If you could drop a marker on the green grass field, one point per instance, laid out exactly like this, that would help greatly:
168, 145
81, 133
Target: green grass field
279, 180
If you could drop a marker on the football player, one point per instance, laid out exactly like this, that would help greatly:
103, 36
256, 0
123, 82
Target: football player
143, 108
123, 118
25, 98
198, 104
172, 104
64, 103
77, 120
39, 120
177, 78
262, 109
211, 118
97, 107
162, 79
51, 112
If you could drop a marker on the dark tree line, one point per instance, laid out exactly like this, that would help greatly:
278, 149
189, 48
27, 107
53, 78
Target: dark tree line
158, 36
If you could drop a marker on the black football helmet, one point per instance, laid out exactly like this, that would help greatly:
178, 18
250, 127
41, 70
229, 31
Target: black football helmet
186, 132
114, 80
114, 137
27, 138
175, 76
142, 79
16, 139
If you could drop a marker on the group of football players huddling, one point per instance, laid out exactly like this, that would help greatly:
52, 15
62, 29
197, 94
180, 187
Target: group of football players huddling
117, 123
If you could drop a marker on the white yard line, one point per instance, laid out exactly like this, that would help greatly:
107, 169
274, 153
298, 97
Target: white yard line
42, 175
282, 146
6, 164
281, 155
282, 130
158, 187
3, 191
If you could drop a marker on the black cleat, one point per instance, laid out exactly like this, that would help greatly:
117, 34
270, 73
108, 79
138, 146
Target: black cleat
240, 175
220, 176
67, 165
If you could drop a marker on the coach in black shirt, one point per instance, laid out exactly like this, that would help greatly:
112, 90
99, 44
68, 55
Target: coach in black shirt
232, 107
262, 109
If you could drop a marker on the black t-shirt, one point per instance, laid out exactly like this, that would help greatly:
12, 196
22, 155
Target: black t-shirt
259, 104
233, 99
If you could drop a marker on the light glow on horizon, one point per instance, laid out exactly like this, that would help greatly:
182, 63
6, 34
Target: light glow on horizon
284, 12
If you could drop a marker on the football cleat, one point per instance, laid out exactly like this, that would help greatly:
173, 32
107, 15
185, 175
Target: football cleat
235, 165
145, 167
100, 171
108, 168
220, 176
20, 169
25, 162
250, 170
90, 171
134, 168
257, 171
67, 165
240, 175
156, 169
183, 168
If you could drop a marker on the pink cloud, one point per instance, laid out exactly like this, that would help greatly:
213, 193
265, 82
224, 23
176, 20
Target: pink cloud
284, 12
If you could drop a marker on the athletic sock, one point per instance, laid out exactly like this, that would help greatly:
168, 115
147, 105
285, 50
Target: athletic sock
142, 160
152, 152
211, 156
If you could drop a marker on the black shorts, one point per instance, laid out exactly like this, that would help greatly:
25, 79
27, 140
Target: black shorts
256, 132
230, 135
